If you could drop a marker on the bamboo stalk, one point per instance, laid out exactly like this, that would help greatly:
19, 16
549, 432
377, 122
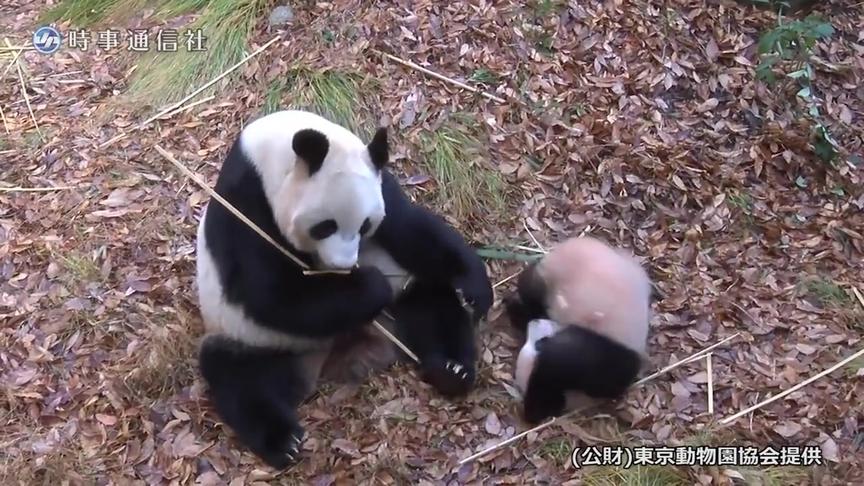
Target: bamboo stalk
191, 175
441, 77
212, 81
793, 389
35, 189
553, 420
710, 371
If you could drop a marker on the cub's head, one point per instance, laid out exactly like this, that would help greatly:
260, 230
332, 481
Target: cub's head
323, 183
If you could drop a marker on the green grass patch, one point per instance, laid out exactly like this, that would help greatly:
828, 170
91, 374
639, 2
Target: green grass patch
335, 95
464, 185
494, 253
543, 42
827, 293
635, 476
273, 97
86, 13
851, 369
556, 450
542, 35
744, 204
741, 201
544, 8
82, 268
82, 13
33, 139
165, 77
226, 25
484, 76
776, 475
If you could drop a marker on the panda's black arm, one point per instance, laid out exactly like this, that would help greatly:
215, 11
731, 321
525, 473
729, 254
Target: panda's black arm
315, 306
427, 247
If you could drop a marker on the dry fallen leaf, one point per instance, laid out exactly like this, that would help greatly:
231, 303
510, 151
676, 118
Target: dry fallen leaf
830, 450
663, 141
788, 429
698, 378
492, 424
805, 348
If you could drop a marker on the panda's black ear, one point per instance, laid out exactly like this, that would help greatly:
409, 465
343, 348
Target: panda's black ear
311, 146
379, 150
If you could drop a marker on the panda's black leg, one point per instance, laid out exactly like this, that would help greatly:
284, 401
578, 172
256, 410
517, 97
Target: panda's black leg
256, 393
419, 329
543, 400
461, 349
517, 313
528, 301
435, 326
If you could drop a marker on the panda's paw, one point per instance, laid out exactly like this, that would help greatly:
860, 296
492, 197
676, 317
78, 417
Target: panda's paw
284, 451
291, 447
450, 378
457, 369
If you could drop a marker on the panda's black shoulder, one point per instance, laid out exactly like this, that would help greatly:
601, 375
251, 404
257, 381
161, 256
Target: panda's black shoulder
235, 247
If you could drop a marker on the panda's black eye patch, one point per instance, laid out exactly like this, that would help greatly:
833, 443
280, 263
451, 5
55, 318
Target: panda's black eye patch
365, 226
323, 229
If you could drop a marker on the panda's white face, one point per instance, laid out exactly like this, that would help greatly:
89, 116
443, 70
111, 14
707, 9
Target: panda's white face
323, 183
329, 214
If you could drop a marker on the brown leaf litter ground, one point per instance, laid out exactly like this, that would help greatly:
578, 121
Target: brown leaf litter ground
638, 122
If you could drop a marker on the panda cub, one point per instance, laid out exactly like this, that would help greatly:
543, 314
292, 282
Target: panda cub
585, 308
321, 192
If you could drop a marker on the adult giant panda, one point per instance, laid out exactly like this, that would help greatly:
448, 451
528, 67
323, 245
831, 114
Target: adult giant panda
319, 191
585, 308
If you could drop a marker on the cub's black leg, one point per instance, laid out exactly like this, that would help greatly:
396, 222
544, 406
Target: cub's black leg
529, 300
256, 393
543, 399
433, 324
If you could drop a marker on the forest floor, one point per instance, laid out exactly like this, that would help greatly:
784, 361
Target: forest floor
643, 123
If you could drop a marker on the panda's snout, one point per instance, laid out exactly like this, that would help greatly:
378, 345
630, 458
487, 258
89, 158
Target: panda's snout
339, 262
339, 254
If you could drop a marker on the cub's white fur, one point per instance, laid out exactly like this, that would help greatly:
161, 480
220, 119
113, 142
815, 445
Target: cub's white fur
537, 330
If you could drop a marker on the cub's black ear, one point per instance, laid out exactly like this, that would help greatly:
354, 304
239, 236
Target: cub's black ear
379, 150
311, 146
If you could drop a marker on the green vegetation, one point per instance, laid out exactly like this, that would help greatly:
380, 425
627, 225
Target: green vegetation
827, 293
334, 95
226, 24
776, 475
851, 369
790, 45
493, 253
542, 35
80, 12
164, 77
557, 450
464, 184
484, 76
273, 97
635, 476
81, 268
